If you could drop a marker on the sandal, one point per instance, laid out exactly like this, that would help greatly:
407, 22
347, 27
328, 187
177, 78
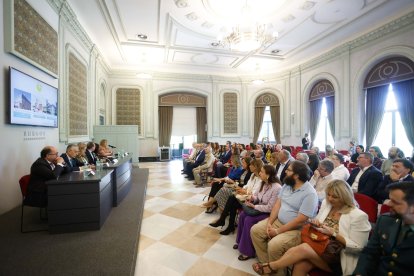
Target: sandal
243, 257
259, 268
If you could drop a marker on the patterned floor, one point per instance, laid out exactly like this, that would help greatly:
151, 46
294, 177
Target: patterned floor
175, 236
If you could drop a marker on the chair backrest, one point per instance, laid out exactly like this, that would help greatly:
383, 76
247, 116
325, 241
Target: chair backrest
368, 205
384, 209
24, 182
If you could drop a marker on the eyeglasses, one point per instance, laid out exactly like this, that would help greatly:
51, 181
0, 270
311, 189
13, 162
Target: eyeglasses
53, 153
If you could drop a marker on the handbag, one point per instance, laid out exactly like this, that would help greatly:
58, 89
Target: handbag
317, 240
321, 243
251, 211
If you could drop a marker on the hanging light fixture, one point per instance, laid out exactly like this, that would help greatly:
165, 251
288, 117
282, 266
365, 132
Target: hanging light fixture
248, 35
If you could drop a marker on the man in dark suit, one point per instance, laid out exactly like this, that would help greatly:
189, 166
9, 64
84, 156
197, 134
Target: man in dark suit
197, 162
71, 163
47, 167
401, 170
284, 160
390, 249
90, 153
365, 179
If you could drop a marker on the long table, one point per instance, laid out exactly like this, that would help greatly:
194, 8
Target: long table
79, 203
121, 178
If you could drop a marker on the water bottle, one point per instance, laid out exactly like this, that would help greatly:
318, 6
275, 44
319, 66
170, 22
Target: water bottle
98, 165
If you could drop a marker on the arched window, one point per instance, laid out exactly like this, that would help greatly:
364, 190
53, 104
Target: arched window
267, 119
389, 88
322, 114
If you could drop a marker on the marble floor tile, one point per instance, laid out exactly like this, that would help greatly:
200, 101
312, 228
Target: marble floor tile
175, 236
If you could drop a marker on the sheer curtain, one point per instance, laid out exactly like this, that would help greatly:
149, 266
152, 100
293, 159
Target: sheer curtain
376, 98
258, 121
275, 115
315, 115
201, 124
330, 109
404, 94
165, 118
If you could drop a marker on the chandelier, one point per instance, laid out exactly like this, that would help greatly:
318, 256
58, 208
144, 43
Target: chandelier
247, 34
248, 38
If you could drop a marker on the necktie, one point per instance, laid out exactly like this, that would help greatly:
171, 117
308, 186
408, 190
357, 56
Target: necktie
52, 166
72, 162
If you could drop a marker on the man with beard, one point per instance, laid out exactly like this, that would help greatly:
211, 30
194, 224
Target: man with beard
296, 203
393, 153
390, 249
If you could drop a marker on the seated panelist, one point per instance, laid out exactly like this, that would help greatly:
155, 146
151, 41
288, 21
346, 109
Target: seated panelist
104, 150
90, 153
71, 162
47, 167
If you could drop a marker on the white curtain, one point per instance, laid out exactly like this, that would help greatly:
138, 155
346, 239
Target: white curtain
184, 121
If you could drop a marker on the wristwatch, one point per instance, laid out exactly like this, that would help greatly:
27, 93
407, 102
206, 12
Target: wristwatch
333, 236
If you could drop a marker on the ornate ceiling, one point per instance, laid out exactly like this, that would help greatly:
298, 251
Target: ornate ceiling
180, 33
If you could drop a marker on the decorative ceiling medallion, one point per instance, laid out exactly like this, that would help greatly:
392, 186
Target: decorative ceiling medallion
192, 16
181, 3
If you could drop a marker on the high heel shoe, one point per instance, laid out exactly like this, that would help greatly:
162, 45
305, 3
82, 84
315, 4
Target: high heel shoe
218, 223
227, 231
211, 209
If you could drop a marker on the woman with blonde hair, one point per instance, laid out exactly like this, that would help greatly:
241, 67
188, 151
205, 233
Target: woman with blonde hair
82, 153
104, 150
343, 222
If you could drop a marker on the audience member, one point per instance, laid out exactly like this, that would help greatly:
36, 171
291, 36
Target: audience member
274, 159
234, 202
352, 148
378, 157
340, 171
90, 153
47, 167
359, 150
321, 177
390, 249
192, 156
305, 142
338, 218
81, 156
284, 162
365, 178
191, 164
329, 151
400, 171
206, 165
258, 154
296, 203
256, 208
71, 163
316, 151
393, 153
302, 156
228, 190
313, 162
222, 165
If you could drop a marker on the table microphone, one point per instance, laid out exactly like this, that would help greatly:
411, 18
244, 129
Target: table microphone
112, 146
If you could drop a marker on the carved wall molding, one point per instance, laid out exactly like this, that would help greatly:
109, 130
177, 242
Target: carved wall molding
393, 69
322, 89
183, 99
267, 99
230, 113
128, 107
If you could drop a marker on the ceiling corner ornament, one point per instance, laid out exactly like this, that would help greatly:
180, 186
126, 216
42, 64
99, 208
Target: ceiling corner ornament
181, 3
192, 16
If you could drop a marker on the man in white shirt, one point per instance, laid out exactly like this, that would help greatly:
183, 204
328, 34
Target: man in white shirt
340, 171
321, 177
284, 159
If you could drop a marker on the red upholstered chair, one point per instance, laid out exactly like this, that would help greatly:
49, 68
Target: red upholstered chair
384, 209
24, 183
368, 205
343, 152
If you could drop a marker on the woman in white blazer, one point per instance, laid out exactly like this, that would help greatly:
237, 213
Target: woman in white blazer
338, 217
